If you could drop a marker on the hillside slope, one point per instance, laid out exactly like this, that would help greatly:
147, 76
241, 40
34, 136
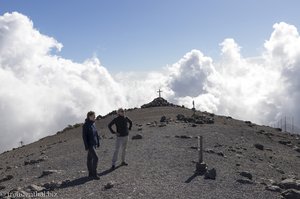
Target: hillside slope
249, 159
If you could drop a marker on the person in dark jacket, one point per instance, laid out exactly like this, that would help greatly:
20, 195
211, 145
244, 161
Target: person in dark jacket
91, 141
122, 131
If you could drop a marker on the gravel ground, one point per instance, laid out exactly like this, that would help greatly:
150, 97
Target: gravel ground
161, 165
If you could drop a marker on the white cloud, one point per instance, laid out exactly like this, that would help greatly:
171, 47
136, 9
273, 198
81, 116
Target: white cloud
191, 74
261, 89
41, 92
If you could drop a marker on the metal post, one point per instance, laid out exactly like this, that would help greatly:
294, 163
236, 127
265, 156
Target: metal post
284, 123
292, 124
200, 148
201, 167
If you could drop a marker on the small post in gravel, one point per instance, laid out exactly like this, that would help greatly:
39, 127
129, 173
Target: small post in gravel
201, 167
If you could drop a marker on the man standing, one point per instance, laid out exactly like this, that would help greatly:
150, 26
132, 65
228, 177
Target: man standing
122, 131
91, 141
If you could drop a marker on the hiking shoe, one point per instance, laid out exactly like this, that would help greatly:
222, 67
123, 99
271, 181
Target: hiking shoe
113, 167
124, 164
95, 177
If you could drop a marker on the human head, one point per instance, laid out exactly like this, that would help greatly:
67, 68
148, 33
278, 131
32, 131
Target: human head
91, 116
121, 112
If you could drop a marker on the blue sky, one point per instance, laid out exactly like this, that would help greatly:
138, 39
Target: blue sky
136, 35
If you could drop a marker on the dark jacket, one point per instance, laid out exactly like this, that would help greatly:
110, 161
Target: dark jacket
90, 134
121, 125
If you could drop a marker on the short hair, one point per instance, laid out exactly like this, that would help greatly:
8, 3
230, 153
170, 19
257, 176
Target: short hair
120, 110
90, 113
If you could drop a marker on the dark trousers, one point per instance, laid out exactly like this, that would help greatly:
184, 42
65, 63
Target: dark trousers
92, 161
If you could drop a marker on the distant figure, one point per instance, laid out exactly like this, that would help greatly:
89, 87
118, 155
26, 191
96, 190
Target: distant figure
122, 131
91, 141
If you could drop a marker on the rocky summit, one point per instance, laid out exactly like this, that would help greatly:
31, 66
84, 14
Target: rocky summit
158, 102
240, 160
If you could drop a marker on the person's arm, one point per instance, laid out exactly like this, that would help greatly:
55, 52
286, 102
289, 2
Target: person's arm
130, 123
98, 138
110, 126
84, 137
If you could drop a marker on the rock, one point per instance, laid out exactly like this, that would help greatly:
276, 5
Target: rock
157, 102
209, 151
2, 187
273, 188
213, 152
162, 125
210, 174
267, 182
218, 145
196, 119
268, 149
199, 122
109, 185
48, 172
7, 178
137, 137
180, 117
221, 154
297, 149
210, 121
31, 162
268, 134
201, 168
291, 194
260, 131
246, 174
259, 146
184, 136
290, 184
244, 181
140, 129
34, 188
279, 171
194, 125
284, 142
163, 119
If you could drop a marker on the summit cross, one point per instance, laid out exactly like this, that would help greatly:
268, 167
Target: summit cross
159, 92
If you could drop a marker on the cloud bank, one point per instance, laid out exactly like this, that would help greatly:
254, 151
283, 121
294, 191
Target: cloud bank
42, 93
